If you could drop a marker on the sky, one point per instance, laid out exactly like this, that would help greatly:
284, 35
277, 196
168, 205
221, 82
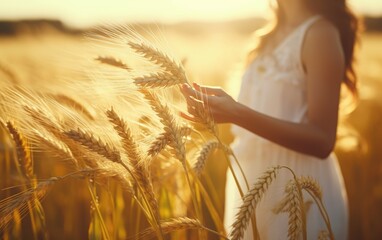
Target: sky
81, 13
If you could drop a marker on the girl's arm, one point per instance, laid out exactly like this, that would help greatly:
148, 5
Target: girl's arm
323, 61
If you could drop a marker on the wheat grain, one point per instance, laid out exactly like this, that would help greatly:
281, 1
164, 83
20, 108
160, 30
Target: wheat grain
250, 201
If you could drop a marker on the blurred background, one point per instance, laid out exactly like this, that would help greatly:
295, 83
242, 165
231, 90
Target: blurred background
212, 37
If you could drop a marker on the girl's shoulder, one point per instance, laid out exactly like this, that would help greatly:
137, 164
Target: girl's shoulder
322, 30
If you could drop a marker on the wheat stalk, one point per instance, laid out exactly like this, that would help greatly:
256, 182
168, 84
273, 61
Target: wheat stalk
204, 155
312, 187
250, 201
111, 61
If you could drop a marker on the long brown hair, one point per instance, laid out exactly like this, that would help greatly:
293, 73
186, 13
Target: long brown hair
342, 17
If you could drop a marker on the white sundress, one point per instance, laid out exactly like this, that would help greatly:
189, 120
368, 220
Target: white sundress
275, 85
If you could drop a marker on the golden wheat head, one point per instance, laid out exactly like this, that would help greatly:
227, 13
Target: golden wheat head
250, 201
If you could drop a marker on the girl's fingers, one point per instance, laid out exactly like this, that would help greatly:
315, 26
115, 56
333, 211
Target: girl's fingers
188, 91
192, 96
195, 101
188, 117
209, 90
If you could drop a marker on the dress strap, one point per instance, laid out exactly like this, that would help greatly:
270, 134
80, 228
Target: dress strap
309, 22
301, 38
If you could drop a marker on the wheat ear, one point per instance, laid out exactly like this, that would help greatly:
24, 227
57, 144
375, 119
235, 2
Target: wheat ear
161, 59
95, 145
308, 183
111, 61
163, 139
157, 80
295, 222
22, 150
170, 126
250, 201
131, 148
204, 154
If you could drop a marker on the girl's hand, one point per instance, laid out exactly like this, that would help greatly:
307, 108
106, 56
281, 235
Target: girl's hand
214, 100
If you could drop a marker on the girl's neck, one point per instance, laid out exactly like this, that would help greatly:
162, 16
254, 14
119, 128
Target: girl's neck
295, 13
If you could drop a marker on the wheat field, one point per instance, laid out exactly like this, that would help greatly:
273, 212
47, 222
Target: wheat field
79, 198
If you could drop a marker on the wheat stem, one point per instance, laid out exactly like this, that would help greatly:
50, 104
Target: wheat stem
105, 232
322, 210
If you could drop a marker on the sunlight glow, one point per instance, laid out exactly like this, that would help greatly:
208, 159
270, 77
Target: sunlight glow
89, 12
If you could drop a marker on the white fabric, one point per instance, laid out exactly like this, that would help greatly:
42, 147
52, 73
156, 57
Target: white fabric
275, 84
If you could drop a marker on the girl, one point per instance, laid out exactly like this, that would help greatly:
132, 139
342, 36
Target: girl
287, 111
